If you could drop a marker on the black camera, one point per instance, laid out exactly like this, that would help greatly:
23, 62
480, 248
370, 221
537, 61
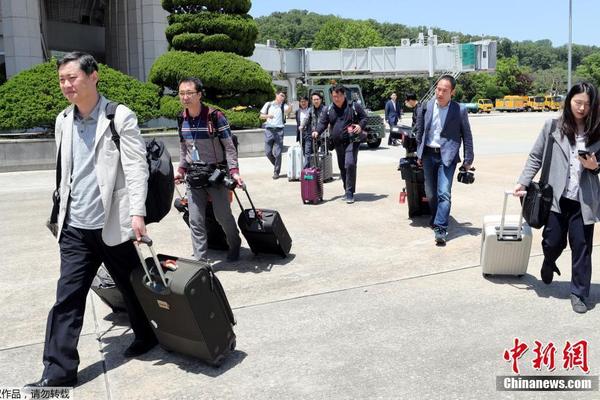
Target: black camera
466, 177
229, 183
219, 176
216, 177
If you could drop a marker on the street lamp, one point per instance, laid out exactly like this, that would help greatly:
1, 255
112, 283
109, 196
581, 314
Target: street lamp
570, 43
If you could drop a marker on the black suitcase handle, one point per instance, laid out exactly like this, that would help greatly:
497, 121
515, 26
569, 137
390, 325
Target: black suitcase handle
244, 188
147, 241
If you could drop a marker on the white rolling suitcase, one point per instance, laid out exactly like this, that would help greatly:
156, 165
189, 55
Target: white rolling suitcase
295, 162
505, 243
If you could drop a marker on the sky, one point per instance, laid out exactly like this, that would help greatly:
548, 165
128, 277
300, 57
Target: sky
516, 20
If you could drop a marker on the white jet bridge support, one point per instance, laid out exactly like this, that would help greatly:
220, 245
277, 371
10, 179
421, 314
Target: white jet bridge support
423, 57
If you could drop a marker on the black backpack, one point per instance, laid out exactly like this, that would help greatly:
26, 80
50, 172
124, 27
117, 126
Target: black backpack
161, 181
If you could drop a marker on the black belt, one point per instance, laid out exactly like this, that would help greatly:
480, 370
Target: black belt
432, 149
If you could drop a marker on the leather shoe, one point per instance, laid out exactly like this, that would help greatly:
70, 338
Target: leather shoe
139, 347
45, 382
233, 254
547, 272
578, 304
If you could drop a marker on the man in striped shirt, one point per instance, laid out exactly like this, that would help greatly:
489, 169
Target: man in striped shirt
206, 145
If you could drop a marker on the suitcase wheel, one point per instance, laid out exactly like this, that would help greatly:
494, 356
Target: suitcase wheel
486, 275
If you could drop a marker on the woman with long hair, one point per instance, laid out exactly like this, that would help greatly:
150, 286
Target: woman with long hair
573, 176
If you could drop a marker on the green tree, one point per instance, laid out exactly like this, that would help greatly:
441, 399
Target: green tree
209, 39
511, 78
341, 33
292, 29
590, 69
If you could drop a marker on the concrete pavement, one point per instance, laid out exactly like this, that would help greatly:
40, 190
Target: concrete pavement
366, 306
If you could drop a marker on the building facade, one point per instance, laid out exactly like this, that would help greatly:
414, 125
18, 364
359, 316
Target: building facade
127, 35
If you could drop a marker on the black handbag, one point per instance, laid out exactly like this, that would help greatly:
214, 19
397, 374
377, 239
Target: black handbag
538, 200
52, 223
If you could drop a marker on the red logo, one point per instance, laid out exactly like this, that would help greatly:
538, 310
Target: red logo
574, 355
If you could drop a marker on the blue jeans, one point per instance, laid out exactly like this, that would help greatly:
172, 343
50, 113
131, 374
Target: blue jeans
438, 186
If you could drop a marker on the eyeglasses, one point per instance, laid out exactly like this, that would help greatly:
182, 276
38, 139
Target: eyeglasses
189, 94
579, 103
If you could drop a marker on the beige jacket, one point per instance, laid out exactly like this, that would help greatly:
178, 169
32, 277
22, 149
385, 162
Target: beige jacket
122, 175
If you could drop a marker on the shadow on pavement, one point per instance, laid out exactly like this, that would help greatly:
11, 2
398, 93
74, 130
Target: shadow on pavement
558, 289
249, 262
113, 348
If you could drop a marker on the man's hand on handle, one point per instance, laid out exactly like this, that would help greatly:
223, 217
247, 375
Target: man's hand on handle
139, 227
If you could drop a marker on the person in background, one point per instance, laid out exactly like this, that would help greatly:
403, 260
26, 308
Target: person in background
309, 126
393, 113
301, 114
275, 112
346, 122
573, 176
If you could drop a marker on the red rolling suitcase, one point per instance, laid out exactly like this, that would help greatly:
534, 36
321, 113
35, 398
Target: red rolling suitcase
186, 306
311, 181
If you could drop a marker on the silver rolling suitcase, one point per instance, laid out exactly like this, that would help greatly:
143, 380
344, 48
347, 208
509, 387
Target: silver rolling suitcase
505, 243
295, 162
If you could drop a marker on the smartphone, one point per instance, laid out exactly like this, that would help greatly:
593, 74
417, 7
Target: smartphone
583, 153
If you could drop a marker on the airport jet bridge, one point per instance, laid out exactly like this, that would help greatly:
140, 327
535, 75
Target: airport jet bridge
423, 57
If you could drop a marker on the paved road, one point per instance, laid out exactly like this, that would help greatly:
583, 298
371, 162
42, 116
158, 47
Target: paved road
365, 306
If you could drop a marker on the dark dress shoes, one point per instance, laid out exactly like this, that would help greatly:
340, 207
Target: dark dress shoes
139, 347
45, 382
547, 272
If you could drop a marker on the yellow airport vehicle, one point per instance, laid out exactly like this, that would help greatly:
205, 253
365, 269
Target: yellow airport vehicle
484, 105
552, 103
511, 103
535, 103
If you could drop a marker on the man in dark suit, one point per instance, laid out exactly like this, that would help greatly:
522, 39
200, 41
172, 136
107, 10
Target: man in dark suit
442, 125
393, 113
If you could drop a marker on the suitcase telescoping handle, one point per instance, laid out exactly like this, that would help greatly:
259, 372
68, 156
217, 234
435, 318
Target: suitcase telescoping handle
315, 151
147, 241
508, 193
244, 188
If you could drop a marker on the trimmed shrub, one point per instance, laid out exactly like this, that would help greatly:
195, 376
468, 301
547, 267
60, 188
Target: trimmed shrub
33, 98
170, 108
226, 6
207, 31
229, 79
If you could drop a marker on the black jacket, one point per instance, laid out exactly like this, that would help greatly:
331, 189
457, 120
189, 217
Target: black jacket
338, 119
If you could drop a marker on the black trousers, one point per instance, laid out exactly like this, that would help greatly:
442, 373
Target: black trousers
81, 253
347, 158
569, 223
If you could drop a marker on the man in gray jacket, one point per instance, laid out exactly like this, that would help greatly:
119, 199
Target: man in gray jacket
102, 204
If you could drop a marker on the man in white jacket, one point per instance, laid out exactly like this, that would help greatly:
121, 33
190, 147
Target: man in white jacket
102, 204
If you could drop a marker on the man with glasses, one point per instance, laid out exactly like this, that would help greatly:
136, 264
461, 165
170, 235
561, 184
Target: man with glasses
275, 112
102, 203
206, 145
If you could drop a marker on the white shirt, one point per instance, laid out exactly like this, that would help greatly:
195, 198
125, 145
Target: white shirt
274, 109
438, 119
575, 167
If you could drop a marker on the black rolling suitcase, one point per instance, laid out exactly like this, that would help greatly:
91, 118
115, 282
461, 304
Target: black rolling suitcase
263, 229
186, 306
214, 232
104, 286
414, 179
